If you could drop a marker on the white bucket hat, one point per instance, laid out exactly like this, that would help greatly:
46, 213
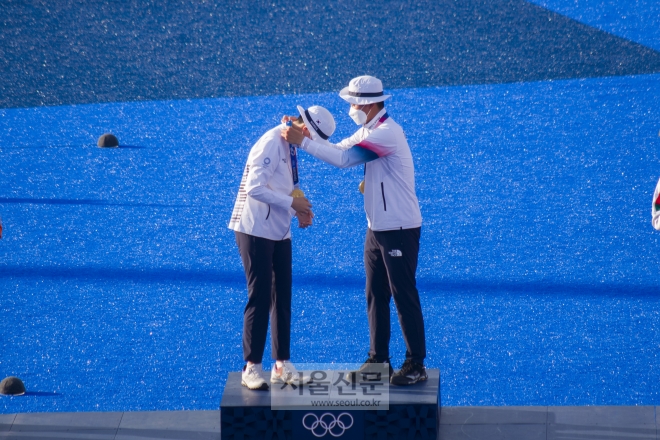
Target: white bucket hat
364, 90
319, 122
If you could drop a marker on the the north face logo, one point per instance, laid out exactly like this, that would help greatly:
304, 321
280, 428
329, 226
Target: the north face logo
395, 253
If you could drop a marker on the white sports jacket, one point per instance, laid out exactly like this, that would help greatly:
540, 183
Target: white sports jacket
263, 204
390, 201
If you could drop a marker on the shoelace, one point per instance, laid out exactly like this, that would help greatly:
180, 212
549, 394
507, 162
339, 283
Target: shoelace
282, 372
407, 367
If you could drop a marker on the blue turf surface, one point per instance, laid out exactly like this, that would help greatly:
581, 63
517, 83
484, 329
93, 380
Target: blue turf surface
121, 287
637, 20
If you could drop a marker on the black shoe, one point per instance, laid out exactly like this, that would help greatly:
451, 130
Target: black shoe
410, 373
369, 368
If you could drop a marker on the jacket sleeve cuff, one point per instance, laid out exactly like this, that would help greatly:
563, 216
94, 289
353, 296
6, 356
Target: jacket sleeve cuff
284, 201
305, 143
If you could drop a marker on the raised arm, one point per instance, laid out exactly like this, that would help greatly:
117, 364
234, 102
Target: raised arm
356, 155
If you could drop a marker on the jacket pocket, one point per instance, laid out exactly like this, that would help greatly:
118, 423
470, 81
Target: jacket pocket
268, 215
382, 190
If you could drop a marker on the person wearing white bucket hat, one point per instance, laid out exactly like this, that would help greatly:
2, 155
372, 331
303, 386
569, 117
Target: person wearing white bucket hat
394, 221
363, 93
268, 197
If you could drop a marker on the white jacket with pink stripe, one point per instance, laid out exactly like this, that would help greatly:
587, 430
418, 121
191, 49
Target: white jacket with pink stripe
390, 201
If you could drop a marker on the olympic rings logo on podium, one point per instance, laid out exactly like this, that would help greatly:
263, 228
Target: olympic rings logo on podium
328, 424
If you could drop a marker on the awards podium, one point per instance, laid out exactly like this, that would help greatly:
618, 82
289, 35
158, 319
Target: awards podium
413, 413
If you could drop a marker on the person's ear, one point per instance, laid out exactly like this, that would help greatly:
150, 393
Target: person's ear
306, 132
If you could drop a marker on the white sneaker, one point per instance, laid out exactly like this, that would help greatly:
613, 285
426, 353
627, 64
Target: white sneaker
252, 379
286, 374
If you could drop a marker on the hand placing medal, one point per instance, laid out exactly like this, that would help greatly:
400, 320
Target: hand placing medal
292, 134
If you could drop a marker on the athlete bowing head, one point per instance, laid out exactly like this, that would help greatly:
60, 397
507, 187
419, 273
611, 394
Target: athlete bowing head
269, 195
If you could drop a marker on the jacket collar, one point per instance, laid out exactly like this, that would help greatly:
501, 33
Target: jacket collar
376, 120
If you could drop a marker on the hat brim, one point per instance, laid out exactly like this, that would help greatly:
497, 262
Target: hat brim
310, 127
361, 100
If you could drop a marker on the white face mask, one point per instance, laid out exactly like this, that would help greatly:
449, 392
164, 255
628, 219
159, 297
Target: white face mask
358, 116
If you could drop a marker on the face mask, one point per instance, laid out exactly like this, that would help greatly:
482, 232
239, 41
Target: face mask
358, 116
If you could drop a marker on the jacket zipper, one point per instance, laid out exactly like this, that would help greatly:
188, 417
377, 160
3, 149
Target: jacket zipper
382, 190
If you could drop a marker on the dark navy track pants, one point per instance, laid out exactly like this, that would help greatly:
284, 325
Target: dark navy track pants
390, 261
267, 265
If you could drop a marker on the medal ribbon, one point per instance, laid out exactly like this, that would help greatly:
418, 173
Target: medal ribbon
294, 161
294, 165
297, 192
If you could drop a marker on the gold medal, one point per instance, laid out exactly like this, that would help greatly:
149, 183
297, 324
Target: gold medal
297, 193
361, 187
